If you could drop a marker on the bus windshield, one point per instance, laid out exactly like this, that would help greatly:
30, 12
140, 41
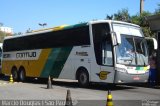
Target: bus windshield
132, 51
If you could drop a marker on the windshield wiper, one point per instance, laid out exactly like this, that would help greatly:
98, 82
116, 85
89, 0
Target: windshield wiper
128, 60
125, 59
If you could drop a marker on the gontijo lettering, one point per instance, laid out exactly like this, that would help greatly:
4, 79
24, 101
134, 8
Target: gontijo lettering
26, 54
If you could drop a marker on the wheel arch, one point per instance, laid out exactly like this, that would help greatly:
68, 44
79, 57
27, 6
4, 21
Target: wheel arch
21, 67
80, 69
14, 67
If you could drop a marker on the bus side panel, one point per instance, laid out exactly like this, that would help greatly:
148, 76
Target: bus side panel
68, 71
32, 67
49, 62
79, 57
56, 62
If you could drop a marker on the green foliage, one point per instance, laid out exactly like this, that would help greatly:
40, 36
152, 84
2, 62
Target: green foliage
122, 15
1, 24
157, 11
2, 35
141, 21
19, 33
109, 17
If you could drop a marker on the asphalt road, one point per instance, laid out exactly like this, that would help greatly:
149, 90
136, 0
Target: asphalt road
95, 95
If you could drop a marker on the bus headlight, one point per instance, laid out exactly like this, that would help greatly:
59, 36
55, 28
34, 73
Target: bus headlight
147, 71
121, 70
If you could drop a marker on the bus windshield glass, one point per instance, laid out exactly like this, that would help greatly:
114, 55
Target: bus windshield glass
132, 50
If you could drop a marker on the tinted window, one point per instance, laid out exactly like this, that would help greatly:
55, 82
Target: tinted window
69, 37
100, 36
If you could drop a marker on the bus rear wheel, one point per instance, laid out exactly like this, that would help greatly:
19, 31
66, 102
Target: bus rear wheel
83, 78
22, 74
14, 74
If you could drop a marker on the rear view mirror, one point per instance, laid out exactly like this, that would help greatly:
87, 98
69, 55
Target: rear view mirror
155, 44
116, 36
152, 42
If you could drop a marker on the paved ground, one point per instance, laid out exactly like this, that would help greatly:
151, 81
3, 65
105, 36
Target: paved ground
95, 95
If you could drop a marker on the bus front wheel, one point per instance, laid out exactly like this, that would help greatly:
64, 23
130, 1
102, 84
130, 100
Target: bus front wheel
83, 78
22, 74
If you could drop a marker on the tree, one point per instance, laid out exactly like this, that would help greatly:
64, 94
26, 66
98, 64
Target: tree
19, 33
1, 24
141, 21
157, 11
44, 24
109, 17
28, 30
122, 15
2, 35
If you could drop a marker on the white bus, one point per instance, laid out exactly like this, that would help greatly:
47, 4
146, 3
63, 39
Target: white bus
95, 51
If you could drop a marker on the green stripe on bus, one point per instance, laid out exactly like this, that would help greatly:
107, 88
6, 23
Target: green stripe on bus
139, 68
51, 59
60, 61
56, 61
75, 26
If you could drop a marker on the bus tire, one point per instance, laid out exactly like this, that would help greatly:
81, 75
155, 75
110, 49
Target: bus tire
14, 73
83, 78
22, 74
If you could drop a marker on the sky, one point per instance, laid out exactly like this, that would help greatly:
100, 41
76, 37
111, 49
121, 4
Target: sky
24, 14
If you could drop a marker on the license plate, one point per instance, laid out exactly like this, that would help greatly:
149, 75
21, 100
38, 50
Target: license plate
136, 78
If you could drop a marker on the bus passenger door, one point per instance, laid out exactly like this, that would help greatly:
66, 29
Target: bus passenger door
102, 68
107, 72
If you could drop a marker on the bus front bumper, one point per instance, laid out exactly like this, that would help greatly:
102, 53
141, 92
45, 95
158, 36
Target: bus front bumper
121, 77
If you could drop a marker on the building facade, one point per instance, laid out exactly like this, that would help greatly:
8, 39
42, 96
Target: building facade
7, 30
154, 23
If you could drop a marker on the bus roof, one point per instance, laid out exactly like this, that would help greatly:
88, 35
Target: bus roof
113, 21
63, 27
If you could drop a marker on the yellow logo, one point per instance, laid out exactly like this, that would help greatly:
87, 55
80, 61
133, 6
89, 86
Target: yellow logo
103, 75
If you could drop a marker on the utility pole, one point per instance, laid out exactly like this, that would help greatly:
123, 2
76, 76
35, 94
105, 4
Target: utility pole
141, 6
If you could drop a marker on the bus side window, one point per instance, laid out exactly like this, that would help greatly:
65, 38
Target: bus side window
102, 43
107, 51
